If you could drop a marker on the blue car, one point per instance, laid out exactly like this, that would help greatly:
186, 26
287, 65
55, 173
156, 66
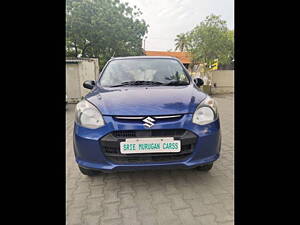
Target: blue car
145, 113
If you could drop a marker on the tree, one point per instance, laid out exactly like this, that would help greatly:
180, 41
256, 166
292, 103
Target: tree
211, 40
230, 34
103, 28
181, 42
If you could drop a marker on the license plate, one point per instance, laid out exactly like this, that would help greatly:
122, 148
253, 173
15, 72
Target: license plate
149, 145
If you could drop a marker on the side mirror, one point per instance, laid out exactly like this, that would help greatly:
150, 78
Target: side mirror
89, 84
199, 82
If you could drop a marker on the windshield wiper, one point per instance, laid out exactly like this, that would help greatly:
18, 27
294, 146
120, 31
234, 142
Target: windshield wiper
138, 82
122, 84
176, 83
117, 85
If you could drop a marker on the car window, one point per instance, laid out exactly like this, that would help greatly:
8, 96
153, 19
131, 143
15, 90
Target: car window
155, 70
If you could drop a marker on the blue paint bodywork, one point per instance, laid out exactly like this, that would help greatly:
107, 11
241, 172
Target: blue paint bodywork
146, 101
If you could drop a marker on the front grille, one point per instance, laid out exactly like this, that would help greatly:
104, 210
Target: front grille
139, 119
147, 133
146, 158
110, 145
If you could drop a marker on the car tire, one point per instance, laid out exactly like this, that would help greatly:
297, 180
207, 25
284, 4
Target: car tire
206, 167
88, 172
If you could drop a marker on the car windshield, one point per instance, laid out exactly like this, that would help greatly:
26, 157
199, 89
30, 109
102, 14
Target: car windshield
144, 72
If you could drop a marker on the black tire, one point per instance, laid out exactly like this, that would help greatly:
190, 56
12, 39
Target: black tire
206, 167
88, 172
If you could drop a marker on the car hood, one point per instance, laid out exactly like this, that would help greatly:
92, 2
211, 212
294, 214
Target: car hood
146, 101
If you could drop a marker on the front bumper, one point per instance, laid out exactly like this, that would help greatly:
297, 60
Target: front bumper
89, 153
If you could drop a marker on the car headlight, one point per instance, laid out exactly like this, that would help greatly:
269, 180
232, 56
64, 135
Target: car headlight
87, 115
206, 112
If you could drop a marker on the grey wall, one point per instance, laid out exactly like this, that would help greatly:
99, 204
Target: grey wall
76, 74
224, 80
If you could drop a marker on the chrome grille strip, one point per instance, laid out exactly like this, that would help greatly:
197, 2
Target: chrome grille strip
142, 117
130, 117
166, 117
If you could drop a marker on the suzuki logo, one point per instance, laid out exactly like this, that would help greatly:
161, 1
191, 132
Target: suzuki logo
148, 122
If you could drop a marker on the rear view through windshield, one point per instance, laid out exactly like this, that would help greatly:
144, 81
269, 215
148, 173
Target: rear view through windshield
143, 71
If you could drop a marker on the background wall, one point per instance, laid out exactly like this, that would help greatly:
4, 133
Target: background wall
224, 80
78, 71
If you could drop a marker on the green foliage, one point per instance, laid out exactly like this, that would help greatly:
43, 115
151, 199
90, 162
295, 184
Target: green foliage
181, 42
210, 40
102, 29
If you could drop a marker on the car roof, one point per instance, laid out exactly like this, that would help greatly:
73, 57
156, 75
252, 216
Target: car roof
144, 57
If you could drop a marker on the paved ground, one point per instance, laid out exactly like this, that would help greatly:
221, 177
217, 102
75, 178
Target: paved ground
149, 198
